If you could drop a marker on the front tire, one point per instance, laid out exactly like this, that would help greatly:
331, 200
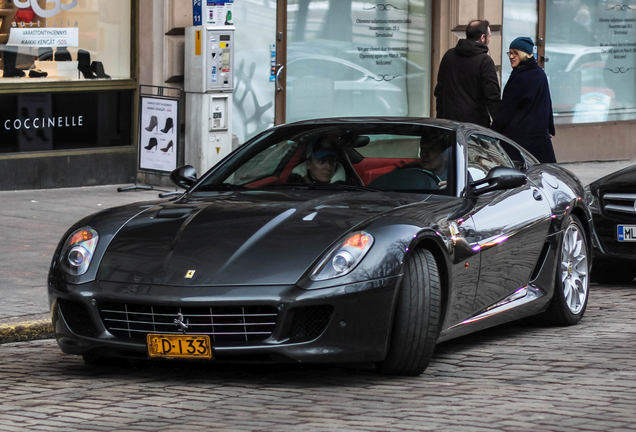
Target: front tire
571, 288
417, 317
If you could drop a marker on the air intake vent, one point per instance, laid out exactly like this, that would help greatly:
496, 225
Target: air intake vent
224, 324
611, 246
309, 322
77, 318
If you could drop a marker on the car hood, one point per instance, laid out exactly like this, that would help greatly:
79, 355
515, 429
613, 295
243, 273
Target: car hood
243, 238
623, 180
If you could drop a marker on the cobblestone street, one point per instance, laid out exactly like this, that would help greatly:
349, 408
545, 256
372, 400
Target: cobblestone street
512, 378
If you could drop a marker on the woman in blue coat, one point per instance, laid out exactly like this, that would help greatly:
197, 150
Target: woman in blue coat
526, 110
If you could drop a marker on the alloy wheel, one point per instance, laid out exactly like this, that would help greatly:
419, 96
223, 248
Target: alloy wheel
574, 269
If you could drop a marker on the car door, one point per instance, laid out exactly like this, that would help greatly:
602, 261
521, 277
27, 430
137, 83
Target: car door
511, 226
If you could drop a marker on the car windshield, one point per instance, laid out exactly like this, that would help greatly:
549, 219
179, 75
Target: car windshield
386, 156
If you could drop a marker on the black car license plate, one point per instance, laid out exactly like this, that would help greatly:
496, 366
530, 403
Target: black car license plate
179, 346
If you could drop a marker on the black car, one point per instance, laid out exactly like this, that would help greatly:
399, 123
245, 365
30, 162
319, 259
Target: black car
335, 240
613, 206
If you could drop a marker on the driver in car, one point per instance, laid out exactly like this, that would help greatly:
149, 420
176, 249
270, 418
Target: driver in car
321, 166
433, 157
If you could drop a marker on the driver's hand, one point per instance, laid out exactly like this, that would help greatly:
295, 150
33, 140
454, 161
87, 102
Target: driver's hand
442, 184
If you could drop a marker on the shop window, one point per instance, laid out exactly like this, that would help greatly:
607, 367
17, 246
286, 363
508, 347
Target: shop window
355, 58
62, 40
591, 60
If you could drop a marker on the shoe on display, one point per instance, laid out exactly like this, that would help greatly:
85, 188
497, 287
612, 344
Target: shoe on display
84, 64
62, 54
98, 68
45, 54
37, 73
168, 125
153, 124
151, 144
168, 147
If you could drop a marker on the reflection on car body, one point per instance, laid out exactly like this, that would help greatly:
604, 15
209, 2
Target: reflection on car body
359, 270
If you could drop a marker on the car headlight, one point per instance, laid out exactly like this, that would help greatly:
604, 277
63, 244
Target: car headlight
591, 197
78, 251
343, 257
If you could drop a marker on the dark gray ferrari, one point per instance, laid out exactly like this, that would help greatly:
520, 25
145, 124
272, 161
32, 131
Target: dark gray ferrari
336, 240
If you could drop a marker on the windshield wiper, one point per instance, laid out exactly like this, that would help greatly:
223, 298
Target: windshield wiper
341, 186
320, 186
286, 185
221, 187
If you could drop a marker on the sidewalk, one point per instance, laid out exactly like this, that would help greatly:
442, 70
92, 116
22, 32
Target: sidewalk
32, 222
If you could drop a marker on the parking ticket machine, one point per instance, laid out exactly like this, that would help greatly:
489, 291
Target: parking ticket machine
209, 85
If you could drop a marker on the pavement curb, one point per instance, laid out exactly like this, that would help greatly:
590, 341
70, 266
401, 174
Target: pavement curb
26, 331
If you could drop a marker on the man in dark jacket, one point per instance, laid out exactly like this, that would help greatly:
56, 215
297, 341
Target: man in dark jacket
467, 85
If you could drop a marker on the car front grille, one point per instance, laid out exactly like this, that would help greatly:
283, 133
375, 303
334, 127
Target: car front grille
619, 203
224, 324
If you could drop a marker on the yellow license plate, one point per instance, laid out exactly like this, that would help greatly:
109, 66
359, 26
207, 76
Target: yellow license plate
179, 346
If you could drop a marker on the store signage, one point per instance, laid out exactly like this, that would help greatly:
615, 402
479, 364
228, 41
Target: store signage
58, 6
43, 122
51, 121
44, 37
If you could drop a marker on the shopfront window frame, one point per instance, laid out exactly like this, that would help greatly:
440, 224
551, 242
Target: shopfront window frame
83, 85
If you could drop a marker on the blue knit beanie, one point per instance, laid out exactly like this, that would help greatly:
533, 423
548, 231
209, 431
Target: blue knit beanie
524, 44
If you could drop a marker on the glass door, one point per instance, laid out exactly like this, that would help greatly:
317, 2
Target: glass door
590, 60
301, 59
357, 58
257, 46
520, 18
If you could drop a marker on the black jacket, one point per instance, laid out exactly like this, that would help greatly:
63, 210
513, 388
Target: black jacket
526, 112
467, 86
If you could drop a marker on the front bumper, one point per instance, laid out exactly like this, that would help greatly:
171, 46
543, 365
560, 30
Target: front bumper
349, 323
607, 248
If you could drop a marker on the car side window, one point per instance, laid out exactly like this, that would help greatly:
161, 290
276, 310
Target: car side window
514, 154
485, 153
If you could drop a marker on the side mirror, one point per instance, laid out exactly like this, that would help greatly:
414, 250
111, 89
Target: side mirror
499, 178
184, 176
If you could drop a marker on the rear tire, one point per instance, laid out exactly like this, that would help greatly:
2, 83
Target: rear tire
612, 274
571, 288
417, 315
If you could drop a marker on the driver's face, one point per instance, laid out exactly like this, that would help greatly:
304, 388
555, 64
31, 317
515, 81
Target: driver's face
322, 169
431, 158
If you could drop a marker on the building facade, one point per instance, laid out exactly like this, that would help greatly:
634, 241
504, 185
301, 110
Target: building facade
294, 59
67, 92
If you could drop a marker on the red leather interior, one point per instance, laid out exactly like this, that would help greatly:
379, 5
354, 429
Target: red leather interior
371, 168
293, 162
368, 170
